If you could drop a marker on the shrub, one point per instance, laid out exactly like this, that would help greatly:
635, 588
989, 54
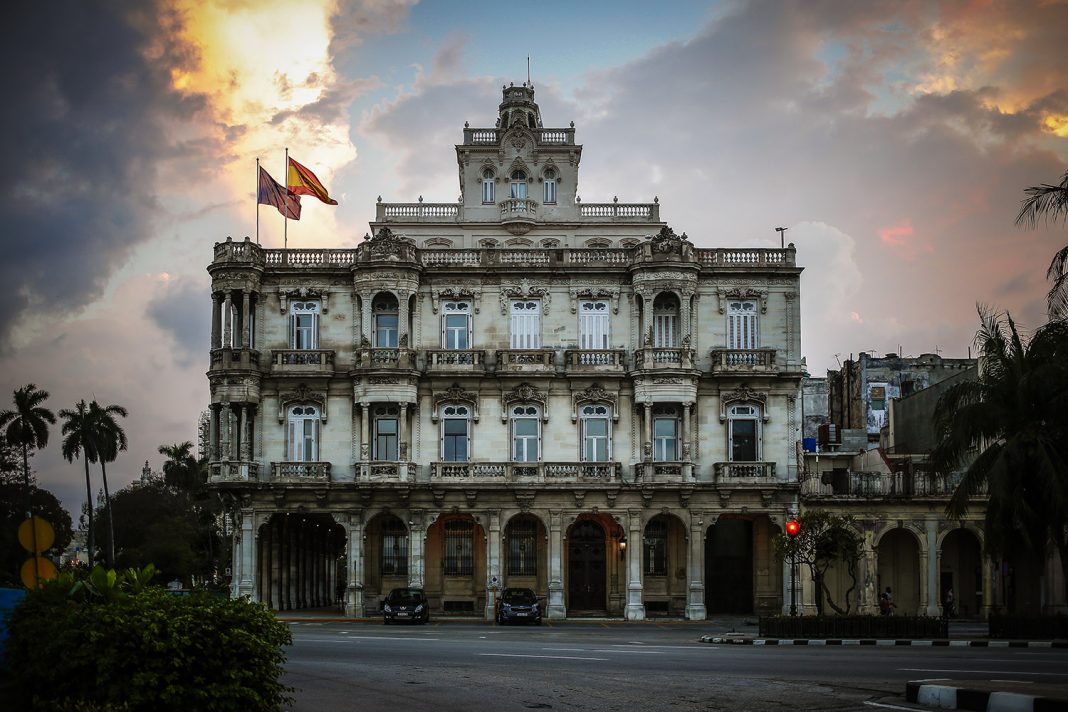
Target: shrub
113, 643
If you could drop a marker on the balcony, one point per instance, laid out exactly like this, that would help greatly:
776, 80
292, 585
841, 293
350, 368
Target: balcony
651, 359
621, 212
594, 361
236, 471
525, 472
544, 137
743, 361
455, 361
302, 361
384, 358
667, 472
880, 485
226, 358
744, 473
300, 472
384, 472
518, 215
532, 361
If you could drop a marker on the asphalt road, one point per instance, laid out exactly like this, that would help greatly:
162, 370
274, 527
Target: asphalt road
618, 666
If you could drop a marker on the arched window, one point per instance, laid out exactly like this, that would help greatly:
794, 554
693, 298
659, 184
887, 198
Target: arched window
665, 433
526, 433
487, 186
384, 316
741, 325
518, 184
302, 441
665, 321
655, 554
596, 433
743, 430
459, 547
394, 548
386, 422
455, 433
523, 547
456, 325
550, 186
304, 325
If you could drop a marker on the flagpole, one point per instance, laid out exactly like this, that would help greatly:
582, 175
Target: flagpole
285, 213
257, 200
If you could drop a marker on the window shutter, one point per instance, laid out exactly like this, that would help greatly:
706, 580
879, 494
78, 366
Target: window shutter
291, 452
315, 332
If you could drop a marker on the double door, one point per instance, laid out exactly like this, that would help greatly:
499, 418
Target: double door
586, 567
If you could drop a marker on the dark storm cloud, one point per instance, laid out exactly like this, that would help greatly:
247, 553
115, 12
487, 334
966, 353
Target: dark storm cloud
179, 311
85, 122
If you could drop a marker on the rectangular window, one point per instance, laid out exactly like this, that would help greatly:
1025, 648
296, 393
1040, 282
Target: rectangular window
395, 551
526, 325
459, 548
304, 331
386, 439
523, 549
456, 325
454, 439
742, 325
525, 439
593, 325
655, 541
595, 445
487, 188
302, 443
550, 190
385, 331
665, 439
664, 329
878, 397
743, 440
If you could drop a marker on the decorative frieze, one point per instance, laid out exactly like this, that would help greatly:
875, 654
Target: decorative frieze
525, 393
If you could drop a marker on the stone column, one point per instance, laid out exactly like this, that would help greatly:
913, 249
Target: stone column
354, 557
493, 562
402, 440
224, 423
416, 553
403, 337
242, 429
246, 585
555, 607
216, 319
245, 340
695, 568
787, 584
213, 433
365, 432
687, 442
933, 556
228, 315
635, 610
647, 432
987, 604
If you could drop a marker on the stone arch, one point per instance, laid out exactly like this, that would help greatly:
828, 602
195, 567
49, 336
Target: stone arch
521, 565
300, 559
900, 551
384, 570
455, 571
665, 563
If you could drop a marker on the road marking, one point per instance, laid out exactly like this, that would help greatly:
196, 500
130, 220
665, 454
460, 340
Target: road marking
885, 706
985, 672
638, 652
566, 650
550, 657
382, 637
675, 647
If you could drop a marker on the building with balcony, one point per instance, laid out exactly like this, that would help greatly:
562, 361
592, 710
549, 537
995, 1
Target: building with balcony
516, 389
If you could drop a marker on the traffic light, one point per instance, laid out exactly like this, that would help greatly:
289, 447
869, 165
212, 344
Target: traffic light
793, 528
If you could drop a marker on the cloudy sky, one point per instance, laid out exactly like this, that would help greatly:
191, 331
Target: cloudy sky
893, 138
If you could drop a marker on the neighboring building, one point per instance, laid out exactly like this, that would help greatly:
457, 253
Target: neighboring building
516, 389
815, 407
859, 394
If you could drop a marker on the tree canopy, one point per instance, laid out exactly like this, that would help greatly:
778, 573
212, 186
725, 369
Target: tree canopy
823, 540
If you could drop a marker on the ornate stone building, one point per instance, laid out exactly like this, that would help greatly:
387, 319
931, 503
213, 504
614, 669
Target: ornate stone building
515, 389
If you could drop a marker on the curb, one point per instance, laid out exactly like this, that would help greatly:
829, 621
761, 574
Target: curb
942, 642
951, 697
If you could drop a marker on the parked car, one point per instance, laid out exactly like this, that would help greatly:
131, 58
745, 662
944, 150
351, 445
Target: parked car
406, 604
518, 605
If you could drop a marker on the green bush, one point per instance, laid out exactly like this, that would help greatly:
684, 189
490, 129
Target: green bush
111, 642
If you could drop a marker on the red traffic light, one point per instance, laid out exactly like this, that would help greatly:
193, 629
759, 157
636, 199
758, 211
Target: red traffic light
793, 528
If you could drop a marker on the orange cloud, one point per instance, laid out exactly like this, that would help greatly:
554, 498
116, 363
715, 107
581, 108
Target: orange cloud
902, 238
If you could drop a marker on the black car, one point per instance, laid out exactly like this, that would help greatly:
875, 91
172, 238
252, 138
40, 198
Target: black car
406, 604
518, 605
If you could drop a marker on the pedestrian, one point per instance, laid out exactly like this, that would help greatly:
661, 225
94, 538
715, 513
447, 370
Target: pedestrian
949, 608
890, 601
884, 604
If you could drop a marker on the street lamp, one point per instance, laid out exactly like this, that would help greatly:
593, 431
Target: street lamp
782, 236
793, 528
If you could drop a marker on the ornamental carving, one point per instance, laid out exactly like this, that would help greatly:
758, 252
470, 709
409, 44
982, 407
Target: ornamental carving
287, 293
525, 393
746, 293
302, 394
455, 394
743, 394
593, 292
460, 290
594, 394
385, 244
526, 290
667, 242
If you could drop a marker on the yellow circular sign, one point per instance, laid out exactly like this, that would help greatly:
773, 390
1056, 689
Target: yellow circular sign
45, 535
45, 570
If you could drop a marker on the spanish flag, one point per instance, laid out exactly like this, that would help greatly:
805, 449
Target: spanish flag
301, 181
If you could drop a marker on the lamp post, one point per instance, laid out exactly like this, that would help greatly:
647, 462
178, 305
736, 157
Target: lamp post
782, 236
793, 528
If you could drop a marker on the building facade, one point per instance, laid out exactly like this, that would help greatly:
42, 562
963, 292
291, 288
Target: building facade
516, 389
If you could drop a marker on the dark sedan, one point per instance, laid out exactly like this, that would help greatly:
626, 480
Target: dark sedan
518, 605
406, 604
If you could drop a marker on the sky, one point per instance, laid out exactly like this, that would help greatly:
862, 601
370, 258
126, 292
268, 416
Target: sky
894, 139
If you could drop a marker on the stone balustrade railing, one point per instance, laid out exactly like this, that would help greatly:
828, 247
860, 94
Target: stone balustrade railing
525, 359
233, 471
518, 209
544, 137
384, 358
645, 212
520, 472
227, 357
385, 471
659, 358
594, 360
743, 360
300, 471
455, 360
880, 485
743, 472
250, 253
663, 472
282, 358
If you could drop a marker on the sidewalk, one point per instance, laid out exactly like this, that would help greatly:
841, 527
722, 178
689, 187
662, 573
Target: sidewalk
990, 695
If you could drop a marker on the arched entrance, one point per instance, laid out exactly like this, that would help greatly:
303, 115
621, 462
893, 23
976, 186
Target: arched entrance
664, 585
456, 565
525, 554
586, 567
385, 556
899, 568
962, 571
729, 567
299, 560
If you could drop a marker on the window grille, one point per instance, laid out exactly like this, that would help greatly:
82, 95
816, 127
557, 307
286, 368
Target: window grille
394, 548
655, 555
523, 548
459, 548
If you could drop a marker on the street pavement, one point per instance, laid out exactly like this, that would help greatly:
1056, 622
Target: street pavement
620, 666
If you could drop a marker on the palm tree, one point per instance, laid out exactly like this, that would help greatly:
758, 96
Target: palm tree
1007, 431
79, 441
181, 470
110, 439
27, 425
1050, 203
